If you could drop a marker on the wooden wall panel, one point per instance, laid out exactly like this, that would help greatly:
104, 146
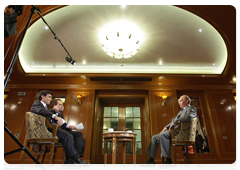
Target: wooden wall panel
221, 107
75, 114
161, 115
15, 108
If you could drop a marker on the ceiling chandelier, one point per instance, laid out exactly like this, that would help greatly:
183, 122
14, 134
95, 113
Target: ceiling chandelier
120, 45
121, 39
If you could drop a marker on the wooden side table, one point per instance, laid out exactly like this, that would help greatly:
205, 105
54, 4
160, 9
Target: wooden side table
121, 137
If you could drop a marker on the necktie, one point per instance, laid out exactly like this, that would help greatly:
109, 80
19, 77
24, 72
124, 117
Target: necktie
46, 107
179, 114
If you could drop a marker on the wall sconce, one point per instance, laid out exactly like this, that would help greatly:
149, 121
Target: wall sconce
80, 99
164, 97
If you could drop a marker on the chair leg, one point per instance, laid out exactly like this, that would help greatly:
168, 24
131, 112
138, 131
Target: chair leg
51, 153
184, 154
174, 154
39, 150
55, 151
195, 153
24, 154
44, 154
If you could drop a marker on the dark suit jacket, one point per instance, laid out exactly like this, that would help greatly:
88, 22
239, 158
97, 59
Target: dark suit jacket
199, 140
51, 120
38, 108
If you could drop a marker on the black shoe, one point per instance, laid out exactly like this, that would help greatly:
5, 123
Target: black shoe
85, 164
69, 161
166, 164
148, 164
81, 162
72, 165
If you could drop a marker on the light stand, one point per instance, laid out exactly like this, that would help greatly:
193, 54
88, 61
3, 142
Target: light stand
9, 72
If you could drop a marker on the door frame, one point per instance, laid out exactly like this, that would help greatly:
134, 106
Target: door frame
98, 159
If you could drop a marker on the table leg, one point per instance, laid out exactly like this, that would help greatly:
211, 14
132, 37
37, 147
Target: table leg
105, 152
124, 152
114, 150
134, 151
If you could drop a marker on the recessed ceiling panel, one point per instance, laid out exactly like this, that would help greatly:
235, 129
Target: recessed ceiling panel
173, 41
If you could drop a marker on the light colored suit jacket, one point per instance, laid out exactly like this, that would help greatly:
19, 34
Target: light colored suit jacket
186, 115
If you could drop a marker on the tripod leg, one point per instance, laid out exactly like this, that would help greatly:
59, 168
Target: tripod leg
23, 155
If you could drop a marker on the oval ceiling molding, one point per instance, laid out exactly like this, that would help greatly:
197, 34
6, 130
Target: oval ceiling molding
176, 41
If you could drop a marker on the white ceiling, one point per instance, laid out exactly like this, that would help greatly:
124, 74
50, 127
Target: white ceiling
171, 35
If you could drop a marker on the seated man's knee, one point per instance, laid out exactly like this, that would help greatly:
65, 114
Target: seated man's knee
69, 136
155, 138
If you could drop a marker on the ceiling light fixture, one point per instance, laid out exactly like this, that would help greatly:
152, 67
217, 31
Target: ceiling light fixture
120, 39
120, 45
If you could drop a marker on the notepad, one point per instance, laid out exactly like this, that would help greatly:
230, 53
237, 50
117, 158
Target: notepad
80, 126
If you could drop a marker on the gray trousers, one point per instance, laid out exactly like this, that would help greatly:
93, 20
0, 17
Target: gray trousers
164, 139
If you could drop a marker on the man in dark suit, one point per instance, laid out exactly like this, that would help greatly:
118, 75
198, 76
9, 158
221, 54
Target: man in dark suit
40, 107
199, 142
164, 137
79, 141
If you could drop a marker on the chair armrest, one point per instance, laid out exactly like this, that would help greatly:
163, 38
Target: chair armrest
53, 126
174, 130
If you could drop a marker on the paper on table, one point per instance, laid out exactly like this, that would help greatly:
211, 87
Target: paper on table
80, 126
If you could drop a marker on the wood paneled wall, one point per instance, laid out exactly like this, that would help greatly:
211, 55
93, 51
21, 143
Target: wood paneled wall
161, 115
218, 108
222, 113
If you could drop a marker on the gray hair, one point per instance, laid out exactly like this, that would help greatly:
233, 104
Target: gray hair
187, 98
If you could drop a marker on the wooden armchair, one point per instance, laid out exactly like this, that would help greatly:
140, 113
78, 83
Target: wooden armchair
37, 134
185, 137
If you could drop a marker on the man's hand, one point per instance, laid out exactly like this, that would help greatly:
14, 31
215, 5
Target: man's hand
55, 108
171, 126
72, 127
59, 120
164, 129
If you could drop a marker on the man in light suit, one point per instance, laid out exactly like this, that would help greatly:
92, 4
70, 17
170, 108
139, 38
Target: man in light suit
40, 107
164, 137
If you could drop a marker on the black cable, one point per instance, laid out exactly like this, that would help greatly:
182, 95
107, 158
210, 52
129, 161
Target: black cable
16, 34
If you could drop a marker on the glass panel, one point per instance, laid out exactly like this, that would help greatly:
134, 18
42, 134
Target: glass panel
129, 112
114, 124
107, 112
129, 123
136, 123
109, 148
114, 111
139, 148
129, 150
103, 133
136, 111
106, 123
138, 134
